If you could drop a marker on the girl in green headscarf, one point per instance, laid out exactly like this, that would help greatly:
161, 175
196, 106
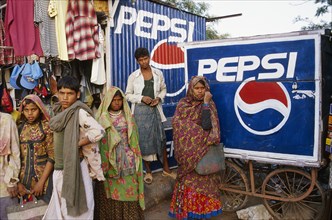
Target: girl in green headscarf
121, 196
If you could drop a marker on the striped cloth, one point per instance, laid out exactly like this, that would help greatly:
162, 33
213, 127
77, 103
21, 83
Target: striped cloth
82, 30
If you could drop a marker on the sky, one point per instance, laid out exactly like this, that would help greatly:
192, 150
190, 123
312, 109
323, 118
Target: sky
262, 16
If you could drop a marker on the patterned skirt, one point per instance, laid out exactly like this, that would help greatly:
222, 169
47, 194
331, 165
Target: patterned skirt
112, 209
152, 137
188, 204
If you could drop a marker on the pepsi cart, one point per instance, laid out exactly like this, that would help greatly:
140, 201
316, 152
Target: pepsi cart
272, 95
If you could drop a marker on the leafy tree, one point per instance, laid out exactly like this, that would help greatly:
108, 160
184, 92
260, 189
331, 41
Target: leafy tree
324, 8
198, 8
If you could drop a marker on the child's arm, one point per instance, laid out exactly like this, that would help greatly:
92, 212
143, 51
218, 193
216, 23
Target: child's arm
39, 187
84, 141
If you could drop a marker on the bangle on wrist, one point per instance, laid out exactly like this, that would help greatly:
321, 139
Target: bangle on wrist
205, 104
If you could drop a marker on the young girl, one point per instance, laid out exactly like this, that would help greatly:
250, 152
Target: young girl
121, 195
37, 153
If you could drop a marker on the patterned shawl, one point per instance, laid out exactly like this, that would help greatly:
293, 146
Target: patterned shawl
40, 105
113, 139
191, 142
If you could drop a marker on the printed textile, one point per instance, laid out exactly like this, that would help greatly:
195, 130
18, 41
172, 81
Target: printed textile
191, 143
125, 188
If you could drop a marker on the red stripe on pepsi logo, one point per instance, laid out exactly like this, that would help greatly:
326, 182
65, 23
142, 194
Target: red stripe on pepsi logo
255, 92
168, 54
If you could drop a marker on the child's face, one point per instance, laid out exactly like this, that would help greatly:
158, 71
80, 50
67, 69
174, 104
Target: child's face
199, 91
31, 112
67, 97
116, 103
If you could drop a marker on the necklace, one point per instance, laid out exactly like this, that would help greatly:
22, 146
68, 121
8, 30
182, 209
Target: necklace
115, 113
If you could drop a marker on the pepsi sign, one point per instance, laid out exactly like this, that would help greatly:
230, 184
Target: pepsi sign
159, 28
267, 94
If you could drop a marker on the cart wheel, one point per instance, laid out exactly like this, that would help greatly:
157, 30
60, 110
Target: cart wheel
292, 183
233, 177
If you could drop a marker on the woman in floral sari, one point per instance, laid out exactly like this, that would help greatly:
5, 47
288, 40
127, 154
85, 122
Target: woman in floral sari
195, 129
121, 195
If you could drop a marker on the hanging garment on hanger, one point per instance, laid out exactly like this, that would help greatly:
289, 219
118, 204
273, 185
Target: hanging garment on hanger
98, 73
46, 28
21, 32
58, 10
82, 30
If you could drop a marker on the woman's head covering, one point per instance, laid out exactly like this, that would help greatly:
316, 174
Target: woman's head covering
194, 80
113, 138
38, 102
190, 140
106, 102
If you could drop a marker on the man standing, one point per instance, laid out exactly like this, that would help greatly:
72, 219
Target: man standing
73, 127
146, 90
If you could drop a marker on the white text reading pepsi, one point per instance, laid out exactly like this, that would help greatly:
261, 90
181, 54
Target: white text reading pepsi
148, 24
241, 64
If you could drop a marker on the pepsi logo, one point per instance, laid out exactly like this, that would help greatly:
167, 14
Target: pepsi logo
262, 108
165, 55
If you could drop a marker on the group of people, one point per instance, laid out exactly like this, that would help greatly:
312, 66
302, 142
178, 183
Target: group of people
75, 156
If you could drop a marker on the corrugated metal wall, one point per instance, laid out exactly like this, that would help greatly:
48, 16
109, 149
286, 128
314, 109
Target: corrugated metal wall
158, 28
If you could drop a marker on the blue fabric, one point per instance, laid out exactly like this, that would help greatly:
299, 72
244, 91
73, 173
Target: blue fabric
192, 216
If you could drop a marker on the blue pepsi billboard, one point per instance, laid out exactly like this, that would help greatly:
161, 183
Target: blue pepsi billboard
159, 28
267, 91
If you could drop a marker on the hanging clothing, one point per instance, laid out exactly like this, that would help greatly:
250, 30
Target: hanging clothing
98, 73
21, 31
46, 26
82, 30
58, 10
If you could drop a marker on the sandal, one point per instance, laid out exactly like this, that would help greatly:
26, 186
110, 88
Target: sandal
148, 178
171, 174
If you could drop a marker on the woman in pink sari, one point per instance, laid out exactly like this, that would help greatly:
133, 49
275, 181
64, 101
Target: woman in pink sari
195, 129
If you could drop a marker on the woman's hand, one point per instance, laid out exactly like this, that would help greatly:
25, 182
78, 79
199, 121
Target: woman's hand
38, 189
207, 97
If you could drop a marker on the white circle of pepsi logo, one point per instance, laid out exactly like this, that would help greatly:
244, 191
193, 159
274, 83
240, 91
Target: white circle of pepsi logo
252, 98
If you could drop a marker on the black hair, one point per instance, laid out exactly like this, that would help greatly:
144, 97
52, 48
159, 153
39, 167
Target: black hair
117, 93
202, 82
141, 52
28, 101
69, 82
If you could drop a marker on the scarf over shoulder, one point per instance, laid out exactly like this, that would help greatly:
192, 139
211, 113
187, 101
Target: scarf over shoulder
191, 142
67, 122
